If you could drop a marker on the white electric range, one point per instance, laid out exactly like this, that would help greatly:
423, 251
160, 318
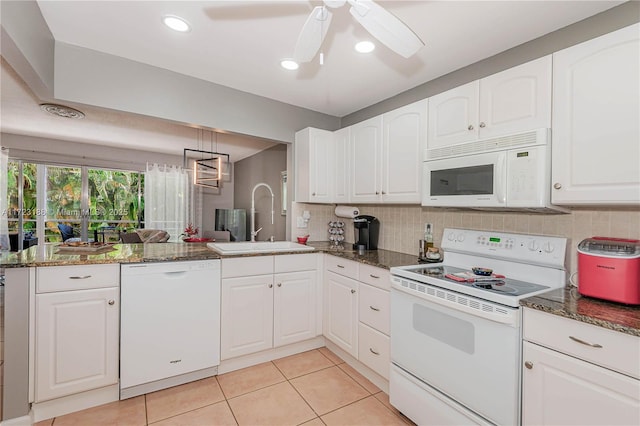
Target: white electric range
456, 346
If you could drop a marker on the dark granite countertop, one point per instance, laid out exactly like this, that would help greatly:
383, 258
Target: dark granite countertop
568, 303
381, 258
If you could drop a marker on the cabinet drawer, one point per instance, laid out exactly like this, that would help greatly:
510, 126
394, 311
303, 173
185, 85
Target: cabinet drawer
374, 308
341, 266
76, 277
618, 351
373, 350
375, 276
296, 262
247, 266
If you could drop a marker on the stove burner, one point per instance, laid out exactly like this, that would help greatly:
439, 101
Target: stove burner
498, 287
438, 271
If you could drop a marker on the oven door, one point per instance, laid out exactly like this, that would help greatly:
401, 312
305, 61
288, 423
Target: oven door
477, 180
470, 359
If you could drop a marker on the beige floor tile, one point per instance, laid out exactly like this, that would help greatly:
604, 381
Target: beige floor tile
329, 389
362, 381
180, 399
127, 412
333, 357
218, 414
249, 379
384, 398
314, 422
275, 405
366, 412
304, 363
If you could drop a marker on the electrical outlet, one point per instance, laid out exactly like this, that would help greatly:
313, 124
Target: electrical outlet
428, 227
301, 223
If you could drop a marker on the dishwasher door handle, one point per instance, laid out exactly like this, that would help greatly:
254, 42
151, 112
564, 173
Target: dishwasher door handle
175, 274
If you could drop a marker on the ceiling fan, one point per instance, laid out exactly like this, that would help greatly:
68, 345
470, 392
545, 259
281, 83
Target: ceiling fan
382, 24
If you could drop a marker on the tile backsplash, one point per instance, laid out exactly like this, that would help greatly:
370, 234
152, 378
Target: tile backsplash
402, 226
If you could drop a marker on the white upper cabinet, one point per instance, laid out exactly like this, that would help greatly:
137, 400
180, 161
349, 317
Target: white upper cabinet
511, 101
596, 130
385, 156
366, 148
314, 165
403, 140
341, 156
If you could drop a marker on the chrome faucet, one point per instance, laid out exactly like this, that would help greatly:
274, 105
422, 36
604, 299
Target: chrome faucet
254, 233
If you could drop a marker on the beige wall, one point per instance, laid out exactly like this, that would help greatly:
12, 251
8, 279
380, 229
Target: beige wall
402, 226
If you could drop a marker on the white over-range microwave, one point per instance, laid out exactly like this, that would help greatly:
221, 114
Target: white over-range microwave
509, 173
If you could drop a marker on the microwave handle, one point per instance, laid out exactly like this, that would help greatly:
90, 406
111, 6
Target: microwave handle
500, 178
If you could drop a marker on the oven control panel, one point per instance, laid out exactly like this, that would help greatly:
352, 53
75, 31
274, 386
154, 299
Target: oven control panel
538, 248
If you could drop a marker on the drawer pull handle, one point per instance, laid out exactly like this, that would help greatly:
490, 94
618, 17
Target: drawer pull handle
374, 309
340, 266
111, 302
353, 291
84, 277
374, 276
593, 345
374, 352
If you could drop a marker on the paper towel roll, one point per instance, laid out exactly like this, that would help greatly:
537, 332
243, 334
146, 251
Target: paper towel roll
347, 211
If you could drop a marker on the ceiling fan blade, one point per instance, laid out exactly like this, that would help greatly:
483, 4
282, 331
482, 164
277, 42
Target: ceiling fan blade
384, 26
312, 34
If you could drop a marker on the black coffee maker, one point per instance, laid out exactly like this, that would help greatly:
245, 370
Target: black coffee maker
366, 230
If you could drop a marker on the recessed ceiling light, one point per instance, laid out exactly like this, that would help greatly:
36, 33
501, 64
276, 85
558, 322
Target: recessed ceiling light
176, 23
289, 64
365, 47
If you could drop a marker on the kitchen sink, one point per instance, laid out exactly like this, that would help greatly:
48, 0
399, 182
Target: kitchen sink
247, 247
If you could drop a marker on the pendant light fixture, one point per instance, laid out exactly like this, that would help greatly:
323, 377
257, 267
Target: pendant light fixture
208, 171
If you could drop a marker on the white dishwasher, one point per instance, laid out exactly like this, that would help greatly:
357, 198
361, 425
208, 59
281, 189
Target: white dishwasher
170, 324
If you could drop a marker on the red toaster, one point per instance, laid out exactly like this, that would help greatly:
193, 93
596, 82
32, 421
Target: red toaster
609, 268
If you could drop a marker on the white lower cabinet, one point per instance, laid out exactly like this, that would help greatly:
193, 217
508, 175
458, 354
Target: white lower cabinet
275, 307
356, 315
76, 332
564, 378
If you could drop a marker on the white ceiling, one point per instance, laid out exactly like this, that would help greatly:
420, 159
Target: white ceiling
240, 43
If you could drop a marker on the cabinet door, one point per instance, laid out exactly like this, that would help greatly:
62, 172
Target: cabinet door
560, 390
340, 322
76, 343
453, 118
596, 130
320, 165
313, 152
366, 147
404, 139
294, 307
516, 100
341, 165
247, 315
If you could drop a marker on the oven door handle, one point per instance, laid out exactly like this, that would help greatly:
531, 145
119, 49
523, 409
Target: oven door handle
476, 307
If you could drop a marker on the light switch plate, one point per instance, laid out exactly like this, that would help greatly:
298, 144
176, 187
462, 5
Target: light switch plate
301, 222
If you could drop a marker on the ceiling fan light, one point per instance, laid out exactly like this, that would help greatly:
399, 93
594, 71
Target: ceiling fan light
289, 64
176, 23
365, 47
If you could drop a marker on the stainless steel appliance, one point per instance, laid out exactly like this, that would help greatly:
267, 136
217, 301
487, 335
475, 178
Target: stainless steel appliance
234, 221
367, 229
455, 343
511, 172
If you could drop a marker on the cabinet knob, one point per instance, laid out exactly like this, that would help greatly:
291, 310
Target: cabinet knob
374, 352
557, 185
377, 193
270, 285
111, 302
483, 125
528, 364
352, 291
383, 193
470, 127
313, 193
279, 284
